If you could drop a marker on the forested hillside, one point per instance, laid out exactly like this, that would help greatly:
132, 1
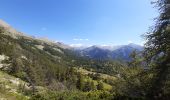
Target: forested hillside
57, 70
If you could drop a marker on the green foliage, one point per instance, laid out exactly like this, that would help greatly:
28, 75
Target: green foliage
73, 95
79, 83
136, 60
100, 86
11, 90
157, 52
88, 86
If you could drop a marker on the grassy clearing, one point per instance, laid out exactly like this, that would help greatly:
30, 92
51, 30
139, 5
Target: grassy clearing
103, 76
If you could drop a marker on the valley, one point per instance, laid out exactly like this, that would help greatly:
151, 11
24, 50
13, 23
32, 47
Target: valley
56, 66
92, 51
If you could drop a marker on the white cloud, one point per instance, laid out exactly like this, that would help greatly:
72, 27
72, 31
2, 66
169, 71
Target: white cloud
130, 41
105, 45
138, 43
76, 39
76, 45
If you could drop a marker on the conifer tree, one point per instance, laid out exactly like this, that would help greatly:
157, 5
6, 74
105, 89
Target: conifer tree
157, 52
136, 60
79, 83
100, 86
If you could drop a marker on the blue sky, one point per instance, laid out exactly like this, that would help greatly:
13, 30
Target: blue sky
81, 22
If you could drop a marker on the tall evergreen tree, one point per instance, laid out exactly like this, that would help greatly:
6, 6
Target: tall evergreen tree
87, 86
158, 52
79, 83
136, 60
100, 86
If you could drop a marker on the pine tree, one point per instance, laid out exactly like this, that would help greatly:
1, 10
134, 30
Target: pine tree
136, 60
79, 83
157, 52
87, 86
100, 86
92, 85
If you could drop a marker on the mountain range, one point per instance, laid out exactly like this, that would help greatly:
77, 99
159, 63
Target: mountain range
121, 52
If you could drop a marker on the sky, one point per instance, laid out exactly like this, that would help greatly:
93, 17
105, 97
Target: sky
81, 22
